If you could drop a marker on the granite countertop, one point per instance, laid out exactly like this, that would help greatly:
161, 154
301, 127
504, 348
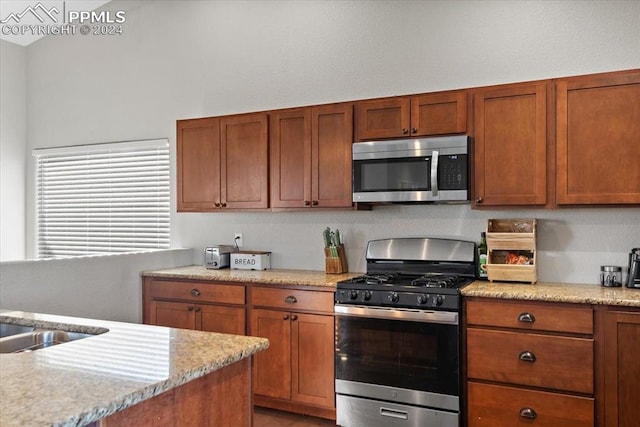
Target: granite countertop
555, 292
558, 292
78, 382
273, 277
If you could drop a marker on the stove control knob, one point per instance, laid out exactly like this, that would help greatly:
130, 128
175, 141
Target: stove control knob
423, 299
353, 294
367, 295
393, 297
437, 300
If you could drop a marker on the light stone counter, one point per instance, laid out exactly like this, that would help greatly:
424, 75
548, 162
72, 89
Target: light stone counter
555, 292
273, 277
78, 382
558, 292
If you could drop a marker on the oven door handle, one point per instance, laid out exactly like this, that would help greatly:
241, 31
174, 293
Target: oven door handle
425, 316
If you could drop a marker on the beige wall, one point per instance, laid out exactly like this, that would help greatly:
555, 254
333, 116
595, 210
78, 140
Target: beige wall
181, 59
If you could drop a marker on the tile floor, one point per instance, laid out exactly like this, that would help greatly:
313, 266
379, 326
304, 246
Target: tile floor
264, 417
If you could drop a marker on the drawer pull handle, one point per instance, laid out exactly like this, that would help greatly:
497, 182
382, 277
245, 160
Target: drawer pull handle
290, 299
195, 292
527, 356
528, 413
527, 318
393, 413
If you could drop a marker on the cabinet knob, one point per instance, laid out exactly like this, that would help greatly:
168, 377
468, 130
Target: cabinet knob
294, 317
526, 317
527, 356
307, 203
197, 309
314, 203
223, 205
190, 308
414, 130
528, 413
291, 299
195, 292
405, 131
479, 200
285, 317
216, 204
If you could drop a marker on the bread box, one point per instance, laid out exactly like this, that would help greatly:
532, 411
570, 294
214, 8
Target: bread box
251, 260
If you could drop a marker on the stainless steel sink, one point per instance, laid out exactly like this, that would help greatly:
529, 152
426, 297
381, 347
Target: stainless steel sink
7, 329
19, 338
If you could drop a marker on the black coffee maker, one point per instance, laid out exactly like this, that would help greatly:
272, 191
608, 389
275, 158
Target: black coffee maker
633, 280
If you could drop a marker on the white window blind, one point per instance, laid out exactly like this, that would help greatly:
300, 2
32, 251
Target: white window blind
103, 198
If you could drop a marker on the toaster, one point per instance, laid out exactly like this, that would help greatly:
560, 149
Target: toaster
217, 256
633, 279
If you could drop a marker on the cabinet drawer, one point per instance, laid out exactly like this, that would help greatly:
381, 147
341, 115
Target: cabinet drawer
197, 292
534, 316
494, 406
561, 363
293, 299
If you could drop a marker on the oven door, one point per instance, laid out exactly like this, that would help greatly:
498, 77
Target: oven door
410, 356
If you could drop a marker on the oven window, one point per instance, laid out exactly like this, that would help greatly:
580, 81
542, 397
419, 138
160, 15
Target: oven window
404, 174
404, 354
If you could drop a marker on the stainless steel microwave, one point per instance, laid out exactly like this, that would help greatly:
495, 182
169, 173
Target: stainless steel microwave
411, 170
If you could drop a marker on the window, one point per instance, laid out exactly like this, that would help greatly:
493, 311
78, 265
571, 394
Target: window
103, 198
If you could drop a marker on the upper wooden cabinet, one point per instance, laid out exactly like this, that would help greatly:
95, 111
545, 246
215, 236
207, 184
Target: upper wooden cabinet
198, 154
311, 157
222, 163
598, 139
511, 145
407, 116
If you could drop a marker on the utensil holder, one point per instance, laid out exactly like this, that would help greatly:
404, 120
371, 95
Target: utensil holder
335, 265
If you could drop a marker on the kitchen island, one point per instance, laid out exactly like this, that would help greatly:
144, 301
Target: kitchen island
126, 372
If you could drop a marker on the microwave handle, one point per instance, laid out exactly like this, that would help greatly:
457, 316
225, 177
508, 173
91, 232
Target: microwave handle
434, 173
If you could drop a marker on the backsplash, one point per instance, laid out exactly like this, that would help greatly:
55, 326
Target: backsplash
572, 243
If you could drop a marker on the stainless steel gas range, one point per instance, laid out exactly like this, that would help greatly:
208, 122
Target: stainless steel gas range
397, 352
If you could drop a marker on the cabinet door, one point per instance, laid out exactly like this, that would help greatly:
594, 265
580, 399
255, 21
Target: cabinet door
332, 138
272, 367
290, 145
598, 140
243, 161
312, 359
198, 164
226, 320
621, 369
383, 118
439, 113
511, 146
173, 314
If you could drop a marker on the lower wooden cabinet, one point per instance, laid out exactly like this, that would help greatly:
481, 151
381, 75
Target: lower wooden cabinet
619, 368
494, 405
529, 364
195, 305
296, 372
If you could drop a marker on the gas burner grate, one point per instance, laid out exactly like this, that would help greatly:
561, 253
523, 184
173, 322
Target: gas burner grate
437, 281
377, 279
